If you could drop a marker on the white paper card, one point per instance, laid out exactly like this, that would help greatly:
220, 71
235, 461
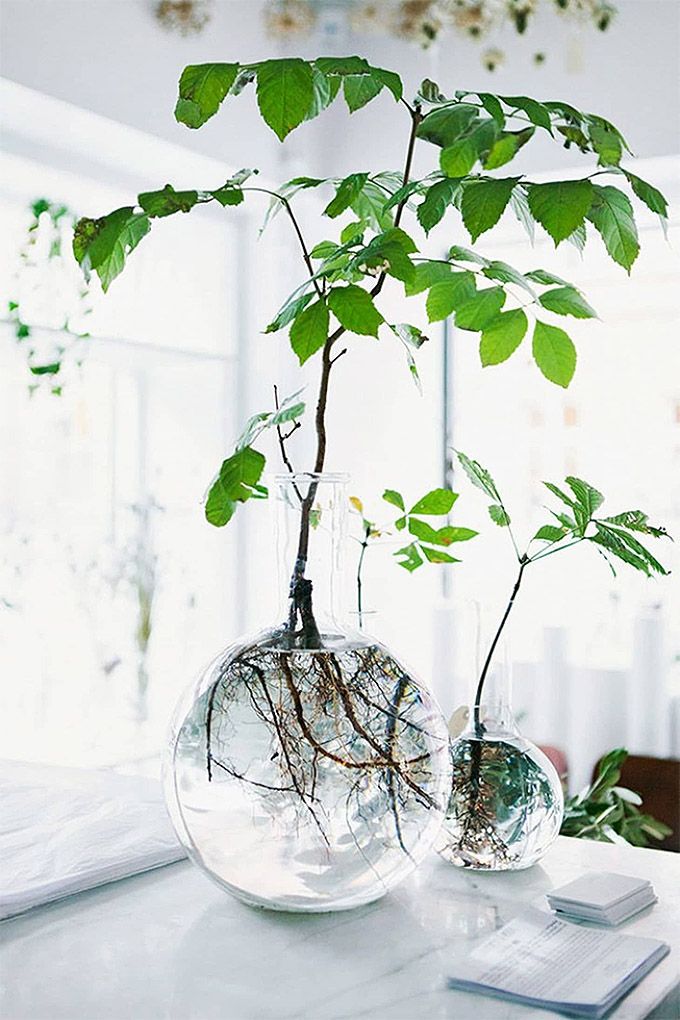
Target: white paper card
540, 959
599, 889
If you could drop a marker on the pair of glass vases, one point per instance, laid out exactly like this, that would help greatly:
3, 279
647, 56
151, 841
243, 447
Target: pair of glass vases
309, 770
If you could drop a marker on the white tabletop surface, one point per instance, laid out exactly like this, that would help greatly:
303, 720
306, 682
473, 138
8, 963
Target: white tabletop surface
170, 944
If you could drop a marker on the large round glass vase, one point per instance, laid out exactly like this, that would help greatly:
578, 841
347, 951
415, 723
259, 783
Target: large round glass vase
506, 803
308, 770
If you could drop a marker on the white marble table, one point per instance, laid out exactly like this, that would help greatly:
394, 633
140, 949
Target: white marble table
170, 944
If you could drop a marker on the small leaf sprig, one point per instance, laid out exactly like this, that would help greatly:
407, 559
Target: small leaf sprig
429, 544
572, 523
610, 813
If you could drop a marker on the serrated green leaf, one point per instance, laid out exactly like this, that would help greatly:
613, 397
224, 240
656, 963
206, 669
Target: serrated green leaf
359, 90
437, 555
442, 127
309, 331
587, 496
437, 200
635, 547
648, 194
410, 557
549, 533
391, 81
507, 274
480, 311
167, 201
520, 207
457, 160
484, 202
438, 501
537, 113
412, 339
506, 147
104, 244
395, 498
561, 206
354, 309
499, 515
460, 254
546, 278
492, 106
451, 292
346, 192
288, 312
479, 476
237, 481
426, 274
285, 93
636, 520
606, 142
612, 216
202, 87
567, 301
556, 491
554, 353
502, 337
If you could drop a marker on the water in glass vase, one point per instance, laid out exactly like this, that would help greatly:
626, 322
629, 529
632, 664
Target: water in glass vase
506, 801
308, 769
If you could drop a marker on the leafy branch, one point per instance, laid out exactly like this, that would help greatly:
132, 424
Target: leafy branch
428, 544
476, 134
573, 521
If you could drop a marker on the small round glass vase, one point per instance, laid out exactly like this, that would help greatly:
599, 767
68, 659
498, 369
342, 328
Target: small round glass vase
506, 802
308, 770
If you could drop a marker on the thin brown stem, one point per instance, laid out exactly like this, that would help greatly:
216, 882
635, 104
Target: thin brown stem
296, 226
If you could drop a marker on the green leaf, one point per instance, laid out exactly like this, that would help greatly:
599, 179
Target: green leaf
502, 337
288, 312
480, 311
437, 555
457, 160
426, 274
411, 558
309, 331
537, 113
438, 501
519, 204
354, 309
237, 481
395, 498
648, 194
168, 201
412, 339
616, 547
586, 496
560, 207
360, 89
479, 476
104, 244
546, 278
499, 515
285, 92
506, 147
391, 81
560, 494
606, 142
460, 254
324, 250
549, 533
342, 65
484, 202
492, 106
51, 369
345, 194
636, 520
202, 88
612, 216
567, 301
325, 89
451, 292
507, 274
442, 127
437, 199
554, 353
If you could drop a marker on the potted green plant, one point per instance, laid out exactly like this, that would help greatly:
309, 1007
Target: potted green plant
309, 770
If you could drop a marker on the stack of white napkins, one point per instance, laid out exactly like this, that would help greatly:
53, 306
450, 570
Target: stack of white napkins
538, 960
65, 830
602, 897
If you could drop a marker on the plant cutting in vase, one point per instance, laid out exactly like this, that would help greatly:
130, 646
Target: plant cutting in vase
505, 806
349, 749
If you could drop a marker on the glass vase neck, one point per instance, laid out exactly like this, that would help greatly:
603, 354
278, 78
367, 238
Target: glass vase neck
311, 517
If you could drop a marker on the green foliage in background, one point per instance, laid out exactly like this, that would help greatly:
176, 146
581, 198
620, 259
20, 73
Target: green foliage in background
608, 812
473, 137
